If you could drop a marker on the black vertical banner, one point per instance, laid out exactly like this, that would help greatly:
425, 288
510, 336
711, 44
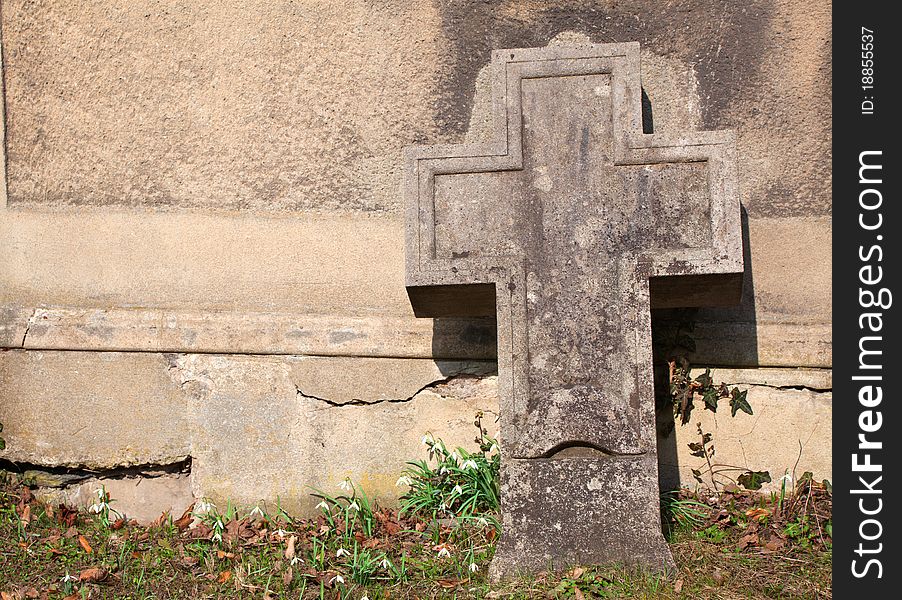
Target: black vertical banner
867, 424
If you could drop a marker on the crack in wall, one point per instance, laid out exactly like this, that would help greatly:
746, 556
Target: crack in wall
55, 476
360, 402
800, 387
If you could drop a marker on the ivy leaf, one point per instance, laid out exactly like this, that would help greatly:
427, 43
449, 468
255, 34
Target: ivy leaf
697, 449
710, 398
752, 480
698, 475
705, 378
738, 402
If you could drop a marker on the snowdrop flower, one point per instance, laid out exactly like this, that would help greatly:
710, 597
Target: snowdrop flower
454, 456
404, 480
67, 578
457, 490
280, 532
443, 553
323, 505
346, 485
342, 552
787, 479
296, 560
482, 521
493, 448
204, 506
365, 598
442, 507
428, 440
443, 470
353, 506
337, 579
386, 564
257, 511
469, 464
473, 567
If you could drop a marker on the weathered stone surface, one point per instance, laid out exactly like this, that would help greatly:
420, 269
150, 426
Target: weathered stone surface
96, 411
141, 498
790, 432
257, 435
571, 223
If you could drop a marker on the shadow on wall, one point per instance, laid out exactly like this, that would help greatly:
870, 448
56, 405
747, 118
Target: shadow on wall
736, 327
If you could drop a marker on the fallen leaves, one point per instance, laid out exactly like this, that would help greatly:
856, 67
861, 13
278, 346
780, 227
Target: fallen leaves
93, 575
86, 546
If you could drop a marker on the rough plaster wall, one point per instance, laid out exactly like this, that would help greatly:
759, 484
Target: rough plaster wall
256, 428
306, 105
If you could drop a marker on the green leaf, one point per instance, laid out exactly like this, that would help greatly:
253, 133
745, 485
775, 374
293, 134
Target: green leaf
752, 480
738, 402
704, 379
2, 444
710, 398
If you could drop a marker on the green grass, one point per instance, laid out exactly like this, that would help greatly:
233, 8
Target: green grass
354, 549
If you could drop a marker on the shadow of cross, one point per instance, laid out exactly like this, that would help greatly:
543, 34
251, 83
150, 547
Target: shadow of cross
569, 225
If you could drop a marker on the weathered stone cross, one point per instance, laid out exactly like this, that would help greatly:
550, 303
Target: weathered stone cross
569, 226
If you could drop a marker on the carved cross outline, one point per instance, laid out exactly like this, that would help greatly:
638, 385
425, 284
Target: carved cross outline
466, 285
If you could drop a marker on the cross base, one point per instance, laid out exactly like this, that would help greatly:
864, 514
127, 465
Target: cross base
561, 512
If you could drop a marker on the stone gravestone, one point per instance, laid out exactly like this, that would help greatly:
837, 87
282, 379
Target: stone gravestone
569, 225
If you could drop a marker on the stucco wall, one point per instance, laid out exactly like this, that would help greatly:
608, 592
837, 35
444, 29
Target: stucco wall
223, 178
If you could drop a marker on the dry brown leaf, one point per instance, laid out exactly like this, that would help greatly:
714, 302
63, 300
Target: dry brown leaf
93, 575
74, 596
224, 554
185, 520
118, 524
775, 544
31, 593
25, 516
289, 547
750, 539
288, 576
83, 542
678, 586
224, 576
448, 583
71, 532
576, 573
577, 594
6, 596
757, 513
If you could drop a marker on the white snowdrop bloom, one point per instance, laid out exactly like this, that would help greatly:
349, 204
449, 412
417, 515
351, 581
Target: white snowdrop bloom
204, 506
457, 490
296, 560
257, 511
454, 455
337, 579
443, 470
353, 506
493, 448
473, 567
280, 532
443, 553
428, 440
364, 598
404, 480
469, 464
66, 578
386, 564
787, 479
323, 505
346, 485
96, 508
342, 552
482, 521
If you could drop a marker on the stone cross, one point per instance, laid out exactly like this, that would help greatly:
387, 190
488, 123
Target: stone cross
568, 226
